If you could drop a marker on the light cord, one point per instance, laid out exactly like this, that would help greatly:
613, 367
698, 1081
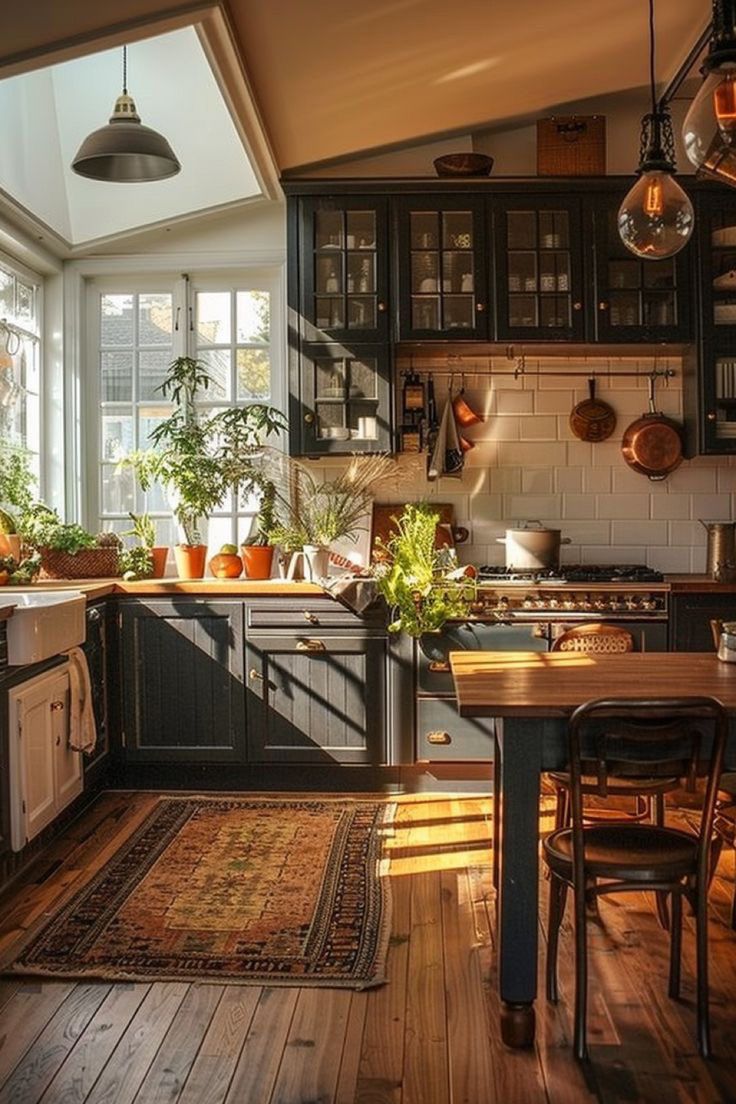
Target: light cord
125, 69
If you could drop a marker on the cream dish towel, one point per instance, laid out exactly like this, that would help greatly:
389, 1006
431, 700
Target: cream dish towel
82, 728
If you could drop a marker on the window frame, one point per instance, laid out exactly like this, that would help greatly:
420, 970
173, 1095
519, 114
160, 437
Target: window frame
36, 279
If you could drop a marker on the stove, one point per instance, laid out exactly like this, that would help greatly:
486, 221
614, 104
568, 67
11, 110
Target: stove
574, 573
574, 593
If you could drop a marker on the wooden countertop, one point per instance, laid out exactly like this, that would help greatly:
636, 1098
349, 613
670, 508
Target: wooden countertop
550, 684
238, 588
683, 584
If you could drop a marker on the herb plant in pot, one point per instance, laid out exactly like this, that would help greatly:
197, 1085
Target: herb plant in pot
198, 458
16, 496
257, 551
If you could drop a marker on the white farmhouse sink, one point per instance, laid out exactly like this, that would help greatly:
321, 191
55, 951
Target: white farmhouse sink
44, 623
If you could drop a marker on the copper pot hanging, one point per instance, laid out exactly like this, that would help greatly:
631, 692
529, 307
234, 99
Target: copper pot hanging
592, 419
652, 445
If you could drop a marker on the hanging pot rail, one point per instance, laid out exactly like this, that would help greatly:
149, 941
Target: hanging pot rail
537, 373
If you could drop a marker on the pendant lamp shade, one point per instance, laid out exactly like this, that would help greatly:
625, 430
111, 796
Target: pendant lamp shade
656, 219
125, 151
709, 130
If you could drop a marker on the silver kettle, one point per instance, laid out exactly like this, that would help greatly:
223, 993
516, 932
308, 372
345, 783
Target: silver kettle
720, 556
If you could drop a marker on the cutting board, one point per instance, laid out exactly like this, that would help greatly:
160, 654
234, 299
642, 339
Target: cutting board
384, 527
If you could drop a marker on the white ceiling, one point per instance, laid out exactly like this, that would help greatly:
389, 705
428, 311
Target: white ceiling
45, 114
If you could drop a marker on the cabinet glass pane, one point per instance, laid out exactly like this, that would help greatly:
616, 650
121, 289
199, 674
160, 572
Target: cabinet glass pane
330, 422
424, 229
522, 272
555, 311
523, 310
361, 275
330, 379
624, 274
458, 312
328, 230
658, 308
424, 273
361, 230
624, 309
554, 230
330, 312
521, 229
425, 313
725, 380
361, 313
659, 275
554, 272
363, 379
328, 275
457, 272
362, 421
457, 230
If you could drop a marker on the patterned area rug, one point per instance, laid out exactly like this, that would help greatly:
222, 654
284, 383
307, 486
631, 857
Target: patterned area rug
231, 889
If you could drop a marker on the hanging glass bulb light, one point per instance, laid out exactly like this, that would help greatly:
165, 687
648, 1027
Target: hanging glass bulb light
125, 151
709, 130
656, 217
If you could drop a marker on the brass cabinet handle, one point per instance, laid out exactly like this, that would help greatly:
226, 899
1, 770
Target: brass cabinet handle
439, 738
711, 415
480, 307
603, 305
381, 307
55, 706
253, 674
577, 306
310, 645
311, 617
309, 419
439, 665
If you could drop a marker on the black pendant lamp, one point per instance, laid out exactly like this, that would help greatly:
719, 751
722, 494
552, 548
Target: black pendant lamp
125, 151
709, 130
656, 218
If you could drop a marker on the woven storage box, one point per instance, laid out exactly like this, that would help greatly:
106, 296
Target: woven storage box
571, 145
90, 563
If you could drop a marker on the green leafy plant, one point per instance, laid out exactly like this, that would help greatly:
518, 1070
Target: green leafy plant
199, 458
419, 581
143, 529
16, 486
43, 528
20, 573
135, 563
266, 524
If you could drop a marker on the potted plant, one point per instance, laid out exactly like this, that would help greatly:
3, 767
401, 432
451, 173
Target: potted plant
422, 585
16, 495
313, 514
144, 530
198, 458
67, 550
257, 551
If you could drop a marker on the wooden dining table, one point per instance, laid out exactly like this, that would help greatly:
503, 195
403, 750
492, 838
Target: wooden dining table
531, 694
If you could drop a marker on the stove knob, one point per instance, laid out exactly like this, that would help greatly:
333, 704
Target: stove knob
599, 603
502, 603
527, 603
631, 603
568, 603
553, 603
615, 603
648, 603
540, 603
585, 603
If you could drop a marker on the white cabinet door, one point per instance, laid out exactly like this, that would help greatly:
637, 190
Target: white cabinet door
45, 775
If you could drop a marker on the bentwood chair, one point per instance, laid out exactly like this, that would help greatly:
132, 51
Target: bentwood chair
619, 738
725, 826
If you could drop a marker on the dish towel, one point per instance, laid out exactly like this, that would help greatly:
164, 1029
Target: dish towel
446, 457
82, 727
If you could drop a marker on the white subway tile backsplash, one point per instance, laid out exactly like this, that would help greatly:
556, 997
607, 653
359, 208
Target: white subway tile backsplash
553, 402
622, 506
711, 507
506, 480
515, 402
689, 533
671, 506
537, 480
544, 508
577, 506
639, 532
670, 560
532, 454
486, 506
569, 480
588, 532
506, 428
597, 480
694, 478
607, 454
579, 454
538, 427
727, 478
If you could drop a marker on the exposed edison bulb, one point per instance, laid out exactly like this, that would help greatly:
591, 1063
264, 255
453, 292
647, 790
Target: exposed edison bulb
656, 218
711, 118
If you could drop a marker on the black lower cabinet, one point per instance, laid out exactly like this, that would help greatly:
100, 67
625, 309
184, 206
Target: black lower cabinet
690, 617
181, 672
316, 700
95, 650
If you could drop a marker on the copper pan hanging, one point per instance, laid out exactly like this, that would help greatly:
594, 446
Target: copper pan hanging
652, 445
592, 419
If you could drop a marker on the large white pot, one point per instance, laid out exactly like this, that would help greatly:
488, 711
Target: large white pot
533, 548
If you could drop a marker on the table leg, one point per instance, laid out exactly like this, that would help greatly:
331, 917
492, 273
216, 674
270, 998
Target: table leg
519, 748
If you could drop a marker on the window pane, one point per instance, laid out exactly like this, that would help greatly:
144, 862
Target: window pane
117, 436
253, 317
25, 302
218, 363
154, 320
118, 490
219, 531
117, 377
254, 374
30, 366
116, 326
152, 369
213, 317
148, 418
7, 294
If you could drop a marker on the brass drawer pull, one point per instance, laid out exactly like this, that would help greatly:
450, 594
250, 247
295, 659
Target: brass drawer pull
253, 674
311, 617
439, 665
310, 646
439, 738
55, 706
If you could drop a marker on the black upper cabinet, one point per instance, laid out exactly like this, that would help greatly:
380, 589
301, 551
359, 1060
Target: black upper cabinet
709, 384
442, 264
637, 300
343, 261
345, 398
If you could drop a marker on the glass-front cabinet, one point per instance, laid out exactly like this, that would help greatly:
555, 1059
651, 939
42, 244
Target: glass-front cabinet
443, 279
637, 300
344, 269
539, 281
346, 398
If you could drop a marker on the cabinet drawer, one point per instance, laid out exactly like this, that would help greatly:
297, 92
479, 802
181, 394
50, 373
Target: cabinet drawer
442, 734
315, 614
433, 669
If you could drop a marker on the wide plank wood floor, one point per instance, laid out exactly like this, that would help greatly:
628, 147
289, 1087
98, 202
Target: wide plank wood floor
430, 1036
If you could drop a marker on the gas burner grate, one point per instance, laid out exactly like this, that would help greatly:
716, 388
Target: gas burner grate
575, 573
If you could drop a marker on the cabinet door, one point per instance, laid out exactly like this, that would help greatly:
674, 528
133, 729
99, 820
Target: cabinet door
443, 268
346, 395
182, 679
343, 255
67, 763
95, 650
539, 269
691, 616
637, 300
316, 700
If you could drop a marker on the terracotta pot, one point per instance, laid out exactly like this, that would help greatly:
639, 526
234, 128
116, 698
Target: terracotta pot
226, 565
160, 555
257, 560
10, 545
190, 560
